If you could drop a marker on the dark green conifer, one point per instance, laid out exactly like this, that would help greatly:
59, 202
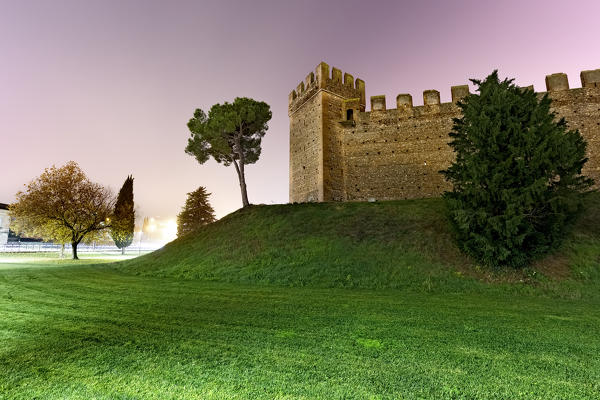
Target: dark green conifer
123, 220
196, 213
517, 174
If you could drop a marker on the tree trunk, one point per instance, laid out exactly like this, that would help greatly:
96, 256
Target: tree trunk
62, 250
122, 251
245, 201
240, 171
74, 246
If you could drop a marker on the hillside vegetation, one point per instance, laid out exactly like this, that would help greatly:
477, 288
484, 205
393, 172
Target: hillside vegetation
451, 329
390, 244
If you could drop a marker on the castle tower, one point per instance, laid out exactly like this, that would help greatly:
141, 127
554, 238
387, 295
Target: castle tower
316, 155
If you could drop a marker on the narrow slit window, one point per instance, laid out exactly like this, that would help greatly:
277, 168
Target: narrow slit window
349, 114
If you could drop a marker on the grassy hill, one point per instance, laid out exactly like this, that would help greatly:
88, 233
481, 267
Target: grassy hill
449, 329
391, 244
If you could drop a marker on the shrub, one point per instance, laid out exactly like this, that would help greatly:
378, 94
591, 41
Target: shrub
517, 180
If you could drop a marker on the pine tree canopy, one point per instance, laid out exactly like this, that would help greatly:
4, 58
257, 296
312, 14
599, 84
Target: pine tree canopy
230, 134
196, 213
517, 182
123, 219
216, 136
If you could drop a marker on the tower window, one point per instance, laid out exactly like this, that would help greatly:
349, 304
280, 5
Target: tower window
349, 114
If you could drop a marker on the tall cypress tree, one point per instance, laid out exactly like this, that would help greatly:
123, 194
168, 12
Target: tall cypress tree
123, 220
196, 212
517, 180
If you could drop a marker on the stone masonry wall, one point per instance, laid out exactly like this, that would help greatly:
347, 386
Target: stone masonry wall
581, 109
315, 106
398, 153
334, 187
306, 152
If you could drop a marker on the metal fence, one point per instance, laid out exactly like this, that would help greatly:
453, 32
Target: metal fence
37, 247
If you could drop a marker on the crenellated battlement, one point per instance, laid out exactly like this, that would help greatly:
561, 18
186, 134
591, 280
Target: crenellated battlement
557, 82
343, 85
340, 152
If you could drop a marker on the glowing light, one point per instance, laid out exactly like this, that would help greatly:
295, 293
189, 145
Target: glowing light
170, 230
159, 231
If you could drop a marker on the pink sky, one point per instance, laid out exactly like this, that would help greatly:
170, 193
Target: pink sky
112, 84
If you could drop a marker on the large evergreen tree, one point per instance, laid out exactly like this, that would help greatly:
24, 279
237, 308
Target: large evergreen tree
231, 134
196, 213
517, 174
123, 219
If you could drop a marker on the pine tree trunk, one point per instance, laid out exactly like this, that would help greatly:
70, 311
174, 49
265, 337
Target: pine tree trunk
74, 246
245, 201
240, 171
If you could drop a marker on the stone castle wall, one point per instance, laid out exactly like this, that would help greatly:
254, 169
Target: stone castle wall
339, 152
316, 162
306, 153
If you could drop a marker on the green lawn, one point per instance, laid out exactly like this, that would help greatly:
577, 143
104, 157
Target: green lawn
52, 259
329, 301
91, 332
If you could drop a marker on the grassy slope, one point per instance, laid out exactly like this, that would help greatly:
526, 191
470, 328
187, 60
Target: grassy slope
97, 331
368, 245
88, 332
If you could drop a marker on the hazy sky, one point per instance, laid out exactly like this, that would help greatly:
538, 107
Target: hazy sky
112, 84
